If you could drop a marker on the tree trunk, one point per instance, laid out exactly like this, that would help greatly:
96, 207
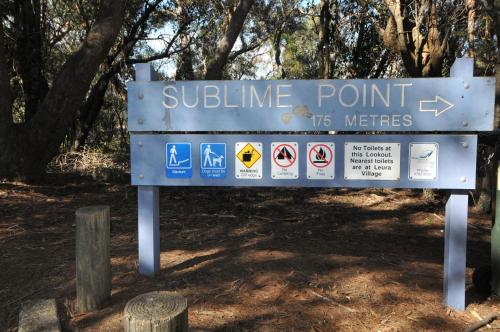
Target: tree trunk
471, 31
422, 55
5, 91
26, 149
325, 18
277, 54
225, 45
89, 111
29, 54
93, 261
156, 311
185, 69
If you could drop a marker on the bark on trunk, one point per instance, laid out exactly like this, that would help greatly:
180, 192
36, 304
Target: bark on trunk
90, 110
226, 43
422, 55
29, 54
471, 20
185, 69
325, 19
26, 149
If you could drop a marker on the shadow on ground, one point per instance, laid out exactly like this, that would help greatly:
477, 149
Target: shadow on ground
247, 259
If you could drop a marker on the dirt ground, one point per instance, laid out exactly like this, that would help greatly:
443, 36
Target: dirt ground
248, 259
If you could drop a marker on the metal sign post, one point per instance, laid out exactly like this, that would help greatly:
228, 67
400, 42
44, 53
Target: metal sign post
461, 103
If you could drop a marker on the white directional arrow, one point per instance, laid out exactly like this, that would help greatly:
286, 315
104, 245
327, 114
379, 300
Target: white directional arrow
432, 105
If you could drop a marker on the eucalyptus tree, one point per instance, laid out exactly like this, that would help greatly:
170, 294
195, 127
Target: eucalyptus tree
57, 59
49, 101
425, 33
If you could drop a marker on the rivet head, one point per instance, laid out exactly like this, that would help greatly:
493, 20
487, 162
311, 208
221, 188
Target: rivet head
140, 121
465, 145
463, 179
141, 96
465, 123
141, 176
466, 85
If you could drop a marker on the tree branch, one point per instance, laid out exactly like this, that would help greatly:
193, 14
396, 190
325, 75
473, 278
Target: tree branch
131, 37
246, 48
226, 43
61, 103
378, 28
165, 54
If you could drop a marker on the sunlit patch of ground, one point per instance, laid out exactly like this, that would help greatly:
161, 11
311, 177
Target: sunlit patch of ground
248, 259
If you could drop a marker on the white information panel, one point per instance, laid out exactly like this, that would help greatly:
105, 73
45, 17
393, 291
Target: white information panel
321, 160
284, 160
423, 161
372, 161
248, 163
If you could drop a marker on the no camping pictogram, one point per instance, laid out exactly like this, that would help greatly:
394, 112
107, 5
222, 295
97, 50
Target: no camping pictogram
284, 155
320, 155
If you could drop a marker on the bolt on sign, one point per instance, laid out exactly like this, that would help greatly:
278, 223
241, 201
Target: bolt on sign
266, 157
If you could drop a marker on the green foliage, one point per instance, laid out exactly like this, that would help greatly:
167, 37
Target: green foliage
279, 40
300, 58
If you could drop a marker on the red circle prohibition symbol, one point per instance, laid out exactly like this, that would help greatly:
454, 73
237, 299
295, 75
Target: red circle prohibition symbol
287, 161
325, 160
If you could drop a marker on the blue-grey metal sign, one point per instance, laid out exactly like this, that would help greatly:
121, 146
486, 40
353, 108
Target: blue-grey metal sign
387, 161
460, 103
424, 104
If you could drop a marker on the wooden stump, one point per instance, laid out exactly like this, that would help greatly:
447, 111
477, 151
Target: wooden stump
156, 311
39, 316
93, 264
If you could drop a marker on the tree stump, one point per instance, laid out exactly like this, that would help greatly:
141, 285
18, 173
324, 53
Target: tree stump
156, 311
93, 264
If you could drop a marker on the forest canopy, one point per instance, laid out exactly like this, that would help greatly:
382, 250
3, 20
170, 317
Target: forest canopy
64, 64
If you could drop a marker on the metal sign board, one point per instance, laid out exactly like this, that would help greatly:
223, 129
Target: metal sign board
414, 104
459, 103
213, 160
178, 160
285, 160
254, 158
372, 161
320, 160
423, 161
248, 161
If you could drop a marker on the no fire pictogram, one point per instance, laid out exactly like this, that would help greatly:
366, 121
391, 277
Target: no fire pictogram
320, 160
320, 155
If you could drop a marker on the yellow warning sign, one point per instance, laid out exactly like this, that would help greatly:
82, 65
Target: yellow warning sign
248, 155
